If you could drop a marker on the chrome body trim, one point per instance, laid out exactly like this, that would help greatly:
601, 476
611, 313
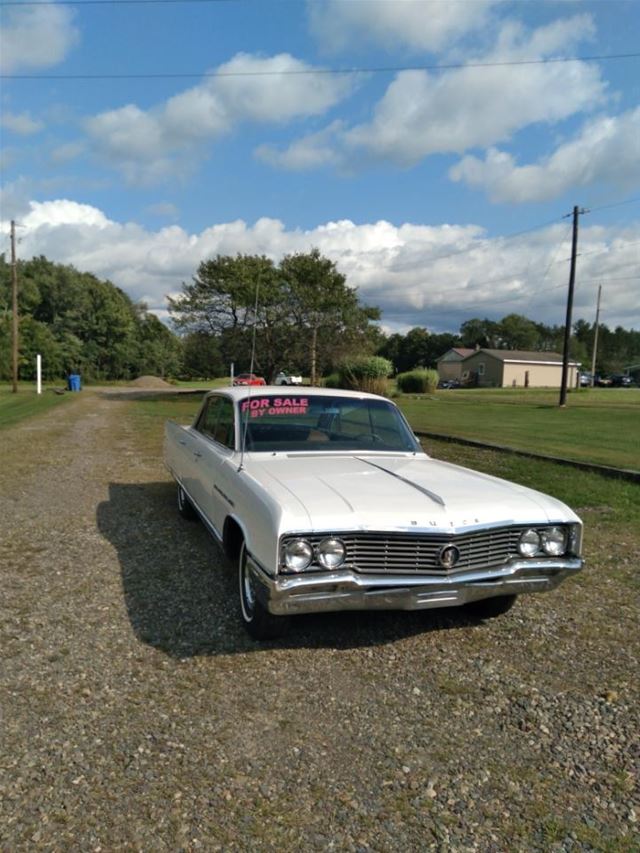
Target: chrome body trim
347, 590
418, 551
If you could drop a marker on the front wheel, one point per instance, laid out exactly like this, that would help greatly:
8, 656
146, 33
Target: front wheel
260, 624
489, 608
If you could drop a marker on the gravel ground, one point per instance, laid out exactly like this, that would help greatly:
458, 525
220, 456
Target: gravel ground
137, 715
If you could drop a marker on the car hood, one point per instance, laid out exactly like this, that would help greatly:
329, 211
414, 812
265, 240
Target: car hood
395, 492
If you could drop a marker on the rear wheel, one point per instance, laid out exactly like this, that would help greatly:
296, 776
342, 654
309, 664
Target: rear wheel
488, 608
185, 507
260, 624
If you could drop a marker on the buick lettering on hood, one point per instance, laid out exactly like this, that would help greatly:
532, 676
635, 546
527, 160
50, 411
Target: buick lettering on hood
326, 501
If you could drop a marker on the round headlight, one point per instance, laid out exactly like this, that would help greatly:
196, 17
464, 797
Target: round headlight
554, 541
529, 543
331, 553
298, 555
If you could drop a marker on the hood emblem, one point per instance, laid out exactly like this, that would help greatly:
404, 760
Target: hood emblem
449, 556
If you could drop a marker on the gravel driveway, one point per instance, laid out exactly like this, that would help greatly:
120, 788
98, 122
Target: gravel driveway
137, 715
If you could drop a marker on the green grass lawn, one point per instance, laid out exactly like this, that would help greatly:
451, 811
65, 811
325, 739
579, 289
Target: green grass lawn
26, 403
597, 425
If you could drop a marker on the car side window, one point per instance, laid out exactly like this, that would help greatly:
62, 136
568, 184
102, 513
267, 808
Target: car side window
224, 432
207, 420
216, 421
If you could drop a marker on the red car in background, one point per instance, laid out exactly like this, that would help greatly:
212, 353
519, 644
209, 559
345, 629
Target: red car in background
248, 379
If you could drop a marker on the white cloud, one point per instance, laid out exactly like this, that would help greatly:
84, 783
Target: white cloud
434, 276
148, 146
423, 113
309, 152
62, 212
68, 151
606, 149
20, 123
35, 37
417, 24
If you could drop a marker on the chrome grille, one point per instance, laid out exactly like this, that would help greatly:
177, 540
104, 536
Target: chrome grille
372, 553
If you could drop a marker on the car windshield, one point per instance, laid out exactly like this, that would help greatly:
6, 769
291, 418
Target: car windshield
322, 423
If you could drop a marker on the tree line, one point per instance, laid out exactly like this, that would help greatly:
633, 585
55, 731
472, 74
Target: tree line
617, 349
299, 314
80, 324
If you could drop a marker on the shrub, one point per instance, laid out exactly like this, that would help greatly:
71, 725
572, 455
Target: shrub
365, 373
418, 381
331, 381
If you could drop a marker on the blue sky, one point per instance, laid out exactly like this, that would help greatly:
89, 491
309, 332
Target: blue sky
414, 179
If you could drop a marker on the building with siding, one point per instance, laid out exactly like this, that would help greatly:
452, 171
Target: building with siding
501, 368
449, 364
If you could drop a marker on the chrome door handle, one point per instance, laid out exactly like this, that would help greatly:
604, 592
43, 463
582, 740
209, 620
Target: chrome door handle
197, 453
182, 441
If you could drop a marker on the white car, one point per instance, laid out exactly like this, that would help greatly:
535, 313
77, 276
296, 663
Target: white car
284, 378
326, 501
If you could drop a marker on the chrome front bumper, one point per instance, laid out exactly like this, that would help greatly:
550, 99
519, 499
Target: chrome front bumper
349, 590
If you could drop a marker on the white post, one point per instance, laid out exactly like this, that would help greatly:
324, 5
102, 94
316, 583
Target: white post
232, 372
39, 373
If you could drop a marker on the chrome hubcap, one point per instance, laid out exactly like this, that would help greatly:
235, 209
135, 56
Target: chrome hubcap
249, 591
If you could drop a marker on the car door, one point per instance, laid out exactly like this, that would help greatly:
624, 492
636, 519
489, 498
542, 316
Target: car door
215, 429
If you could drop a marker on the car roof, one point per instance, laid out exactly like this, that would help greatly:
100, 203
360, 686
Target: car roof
242, 392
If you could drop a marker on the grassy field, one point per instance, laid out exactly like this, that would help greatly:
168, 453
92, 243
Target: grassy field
598, 425
26, 403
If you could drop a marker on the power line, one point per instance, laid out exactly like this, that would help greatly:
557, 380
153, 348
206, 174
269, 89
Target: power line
616, 204
492, 240
300, 72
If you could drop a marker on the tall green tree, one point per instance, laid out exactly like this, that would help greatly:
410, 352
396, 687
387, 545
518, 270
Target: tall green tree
329, 320
78, 322
229, 297
482, 333
301, 312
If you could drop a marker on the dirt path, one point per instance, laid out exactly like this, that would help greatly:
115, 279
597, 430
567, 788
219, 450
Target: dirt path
137, 715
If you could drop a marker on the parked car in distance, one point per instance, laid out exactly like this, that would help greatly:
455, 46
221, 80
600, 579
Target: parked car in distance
602, 381
621, 380
248, 379
584, 379
286, 377
449, 384
325, 501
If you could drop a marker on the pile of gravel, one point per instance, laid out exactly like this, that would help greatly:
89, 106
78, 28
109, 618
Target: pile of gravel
150, 382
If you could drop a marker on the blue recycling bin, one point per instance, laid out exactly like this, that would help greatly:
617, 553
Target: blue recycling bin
73, 382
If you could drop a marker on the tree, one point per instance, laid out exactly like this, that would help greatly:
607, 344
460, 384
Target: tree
482, 333
418, 348
328, 317
517, 332
79, 323
301, 311
202, 357
159, 350
221, 301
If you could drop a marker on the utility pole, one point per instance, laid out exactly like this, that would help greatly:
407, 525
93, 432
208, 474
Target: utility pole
567, 326
14, 305
595, 339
